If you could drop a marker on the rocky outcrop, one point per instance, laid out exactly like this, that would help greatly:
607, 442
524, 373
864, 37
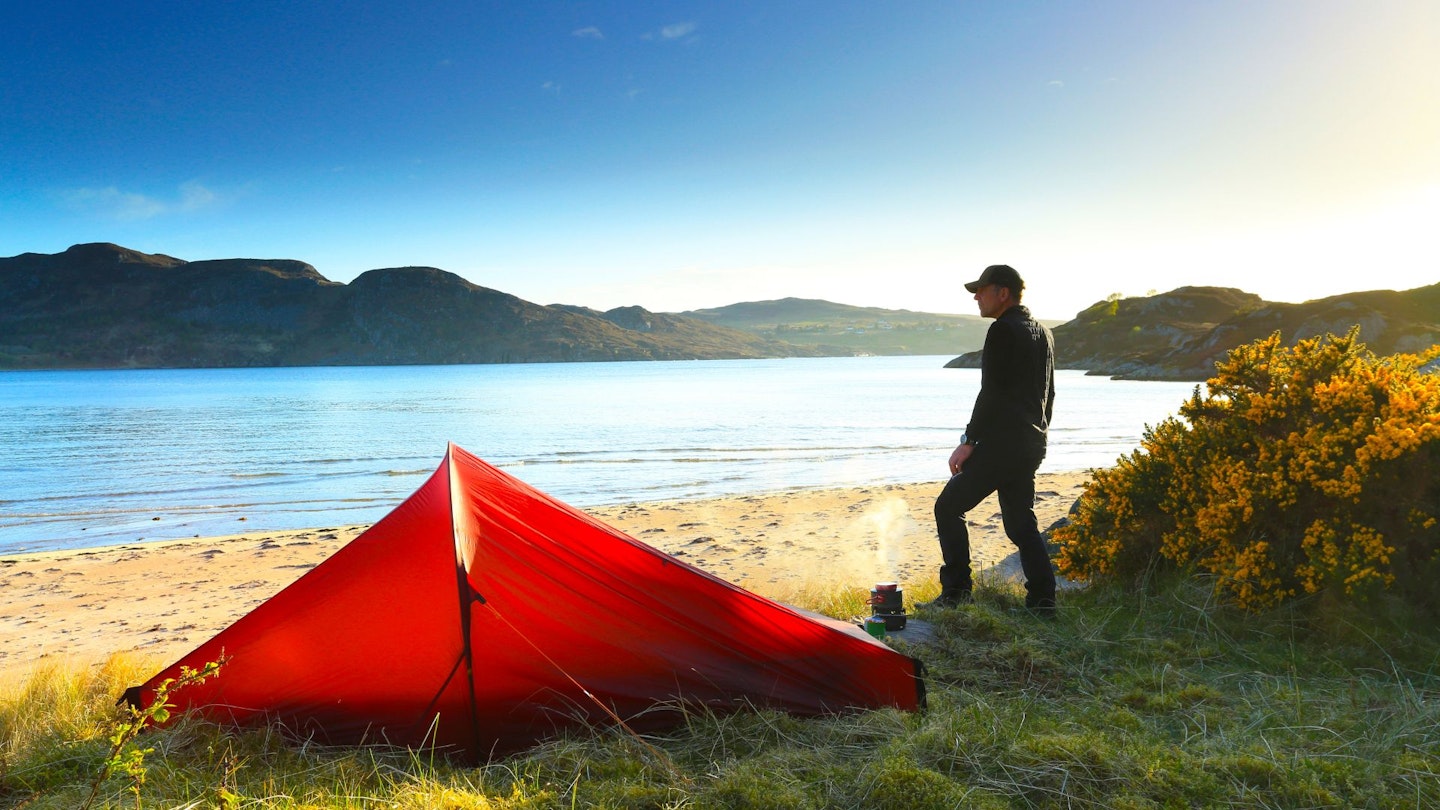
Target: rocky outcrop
1182, 334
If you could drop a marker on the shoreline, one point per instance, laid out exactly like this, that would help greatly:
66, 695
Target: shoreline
163, 598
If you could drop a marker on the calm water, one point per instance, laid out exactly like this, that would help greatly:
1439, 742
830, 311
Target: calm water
92, 458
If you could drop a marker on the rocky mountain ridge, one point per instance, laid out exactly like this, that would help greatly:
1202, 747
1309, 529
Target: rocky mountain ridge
104, 306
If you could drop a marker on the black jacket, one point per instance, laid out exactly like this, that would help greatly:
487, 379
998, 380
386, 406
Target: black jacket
1017, 383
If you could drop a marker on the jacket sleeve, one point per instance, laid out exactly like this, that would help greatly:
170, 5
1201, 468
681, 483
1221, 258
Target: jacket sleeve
996, 361
1050, 378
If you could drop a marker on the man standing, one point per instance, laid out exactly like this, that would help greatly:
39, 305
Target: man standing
1004, 443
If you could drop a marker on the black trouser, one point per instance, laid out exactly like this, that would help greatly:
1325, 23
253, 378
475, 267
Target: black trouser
1009, 472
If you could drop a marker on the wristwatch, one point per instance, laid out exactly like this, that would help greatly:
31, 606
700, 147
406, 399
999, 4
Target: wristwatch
965, 439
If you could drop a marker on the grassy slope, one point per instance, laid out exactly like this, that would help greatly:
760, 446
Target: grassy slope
1125, 701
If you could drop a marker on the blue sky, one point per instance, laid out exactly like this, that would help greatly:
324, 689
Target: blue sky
680, 155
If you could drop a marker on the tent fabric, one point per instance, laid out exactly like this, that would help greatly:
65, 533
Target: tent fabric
482, 615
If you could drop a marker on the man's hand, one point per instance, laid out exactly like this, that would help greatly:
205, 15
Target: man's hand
957, 458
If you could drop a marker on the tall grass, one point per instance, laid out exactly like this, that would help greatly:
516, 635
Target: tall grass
1127, 700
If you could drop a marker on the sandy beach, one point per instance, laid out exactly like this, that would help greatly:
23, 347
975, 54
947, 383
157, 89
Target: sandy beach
163, 599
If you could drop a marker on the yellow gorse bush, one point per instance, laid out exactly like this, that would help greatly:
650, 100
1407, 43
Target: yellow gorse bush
1301, 470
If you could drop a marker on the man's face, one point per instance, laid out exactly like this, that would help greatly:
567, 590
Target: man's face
992, 299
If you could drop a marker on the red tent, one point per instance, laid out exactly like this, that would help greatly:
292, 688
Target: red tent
481, 615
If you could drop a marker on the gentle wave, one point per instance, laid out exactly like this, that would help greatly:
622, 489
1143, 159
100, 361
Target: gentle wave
92, 458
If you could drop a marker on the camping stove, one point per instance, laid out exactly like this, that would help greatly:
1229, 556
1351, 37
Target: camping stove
887, 601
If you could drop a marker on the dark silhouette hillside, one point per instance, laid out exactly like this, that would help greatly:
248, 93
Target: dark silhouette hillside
105, 306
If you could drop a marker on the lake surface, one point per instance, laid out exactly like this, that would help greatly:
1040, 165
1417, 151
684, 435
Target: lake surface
90, 458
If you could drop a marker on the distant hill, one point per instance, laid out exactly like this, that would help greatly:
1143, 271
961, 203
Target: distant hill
105, 306
1181, 334
843, 329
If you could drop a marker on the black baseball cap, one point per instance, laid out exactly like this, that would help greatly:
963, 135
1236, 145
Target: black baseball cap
1002, 274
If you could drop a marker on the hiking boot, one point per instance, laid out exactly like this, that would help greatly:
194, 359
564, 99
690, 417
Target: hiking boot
1044, 607
945, 601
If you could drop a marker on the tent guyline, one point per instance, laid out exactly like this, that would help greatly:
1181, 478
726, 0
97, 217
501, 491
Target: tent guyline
482, 615
619, 721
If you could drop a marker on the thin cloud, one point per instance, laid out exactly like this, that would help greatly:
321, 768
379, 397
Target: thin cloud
588, 32
194, 197
110, 202
677, 30
673, 31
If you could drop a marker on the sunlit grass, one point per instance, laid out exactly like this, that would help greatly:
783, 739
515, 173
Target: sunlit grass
1126, 700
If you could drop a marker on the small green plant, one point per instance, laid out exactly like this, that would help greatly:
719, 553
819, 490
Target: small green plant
129, 759
226, 798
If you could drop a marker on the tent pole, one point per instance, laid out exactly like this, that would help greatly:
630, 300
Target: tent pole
466, 596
